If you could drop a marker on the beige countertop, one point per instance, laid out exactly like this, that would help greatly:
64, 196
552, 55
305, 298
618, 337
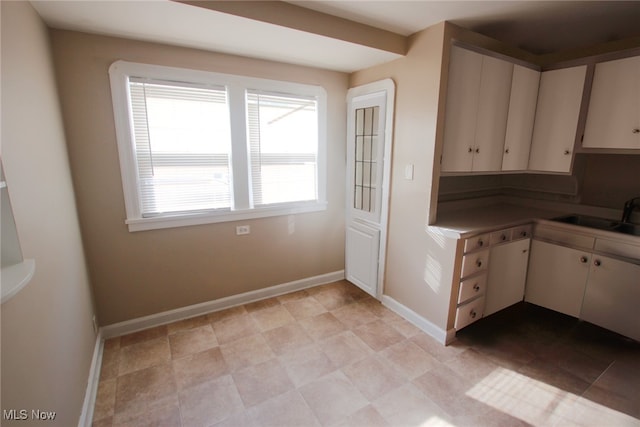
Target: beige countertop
473, 220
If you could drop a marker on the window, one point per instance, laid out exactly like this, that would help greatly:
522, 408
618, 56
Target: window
198, 147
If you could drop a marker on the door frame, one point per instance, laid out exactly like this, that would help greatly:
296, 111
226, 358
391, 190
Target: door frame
386, 87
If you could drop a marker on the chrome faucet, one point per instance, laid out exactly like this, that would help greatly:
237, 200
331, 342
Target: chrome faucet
629, 206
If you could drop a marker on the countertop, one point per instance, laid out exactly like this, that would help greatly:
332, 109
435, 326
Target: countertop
474, 220
466, 222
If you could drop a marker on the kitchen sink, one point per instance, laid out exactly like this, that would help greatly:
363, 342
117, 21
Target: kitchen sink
628, 228
600, 224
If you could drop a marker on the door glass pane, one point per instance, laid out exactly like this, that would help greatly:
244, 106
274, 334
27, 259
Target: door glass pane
366, 166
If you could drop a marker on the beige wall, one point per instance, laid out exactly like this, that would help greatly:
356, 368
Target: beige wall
47, 334
416, 260
143, 273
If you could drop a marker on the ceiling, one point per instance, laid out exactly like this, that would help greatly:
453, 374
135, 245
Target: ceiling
536, 26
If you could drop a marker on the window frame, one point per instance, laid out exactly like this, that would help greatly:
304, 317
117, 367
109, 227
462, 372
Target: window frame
237, 87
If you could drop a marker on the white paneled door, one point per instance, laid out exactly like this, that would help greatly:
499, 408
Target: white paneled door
369, 131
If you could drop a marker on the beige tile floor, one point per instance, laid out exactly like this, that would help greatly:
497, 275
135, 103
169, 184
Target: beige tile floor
332, 356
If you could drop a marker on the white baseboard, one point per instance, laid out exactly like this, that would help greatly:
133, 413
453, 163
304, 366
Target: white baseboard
441, 335
129, 326
86, 417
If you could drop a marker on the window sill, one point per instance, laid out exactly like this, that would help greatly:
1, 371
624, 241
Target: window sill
15, 278
144, 224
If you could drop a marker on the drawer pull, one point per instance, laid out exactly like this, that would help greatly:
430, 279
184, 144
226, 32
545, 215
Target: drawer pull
523, 234
503, 237
584, 259
476, 287
481, 243
473, 314
636, 130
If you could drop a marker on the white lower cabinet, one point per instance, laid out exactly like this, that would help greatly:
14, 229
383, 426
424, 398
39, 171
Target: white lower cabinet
557, 277
507, 275
612, 296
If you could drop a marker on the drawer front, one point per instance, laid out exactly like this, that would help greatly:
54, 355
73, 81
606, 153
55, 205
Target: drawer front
501, 236
562, 237
475, 243
474, 262
521, 232
472, 287
469, 313
618, 248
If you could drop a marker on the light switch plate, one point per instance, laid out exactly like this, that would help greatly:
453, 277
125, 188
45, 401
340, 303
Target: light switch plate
408, 172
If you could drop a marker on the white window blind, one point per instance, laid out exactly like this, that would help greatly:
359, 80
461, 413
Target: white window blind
198, 147
283, 146
182, 146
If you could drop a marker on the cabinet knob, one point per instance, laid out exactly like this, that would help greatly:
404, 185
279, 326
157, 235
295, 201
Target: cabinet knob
477, 150
583, 259
597, 263
636, 130
567, 152
479, 263
476, 287
473, 314
503, 237
506, 151
523, 234
470, 150
480, 242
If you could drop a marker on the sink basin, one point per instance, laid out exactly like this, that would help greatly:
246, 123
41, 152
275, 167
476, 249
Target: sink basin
600, 224
589, 221
627, 228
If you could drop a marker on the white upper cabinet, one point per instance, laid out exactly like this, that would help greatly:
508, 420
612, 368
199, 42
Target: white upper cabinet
522, 112
476, 114
556, 122
613, 120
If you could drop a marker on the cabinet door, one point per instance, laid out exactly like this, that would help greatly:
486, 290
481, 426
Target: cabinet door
557, 277
612, 296
493, 108
522, 112
507, 275
556, 122
463, 89
613, 120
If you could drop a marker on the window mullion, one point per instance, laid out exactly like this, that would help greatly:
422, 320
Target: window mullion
239, 151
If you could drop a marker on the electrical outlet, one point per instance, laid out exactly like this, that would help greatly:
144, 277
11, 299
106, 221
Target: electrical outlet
243, 229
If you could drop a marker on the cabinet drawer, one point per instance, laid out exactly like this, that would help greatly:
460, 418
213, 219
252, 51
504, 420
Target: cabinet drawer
474, 262
562, 237
469, 313
476, 242
521, 232
472, 287
500, 236
618, 248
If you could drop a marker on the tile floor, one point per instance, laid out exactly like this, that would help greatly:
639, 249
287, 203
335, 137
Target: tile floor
332, 356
